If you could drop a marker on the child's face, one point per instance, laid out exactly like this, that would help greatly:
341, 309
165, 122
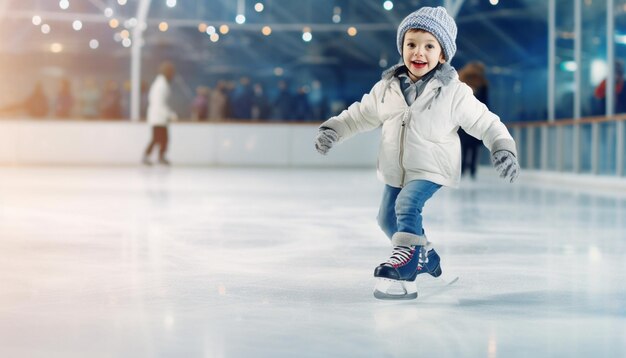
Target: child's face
421, 53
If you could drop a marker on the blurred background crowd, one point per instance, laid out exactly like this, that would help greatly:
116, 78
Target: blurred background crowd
225, 100
282, 60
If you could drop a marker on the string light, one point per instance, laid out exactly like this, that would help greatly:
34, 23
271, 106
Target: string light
56, 47
337, 14
306, 34
77, 25
130, 23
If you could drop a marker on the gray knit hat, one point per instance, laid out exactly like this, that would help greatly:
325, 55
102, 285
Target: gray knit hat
436, 21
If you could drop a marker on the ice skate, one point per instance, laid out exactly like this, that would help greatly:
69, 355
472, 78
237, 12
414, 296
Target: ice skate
146, 161
412, 255
164, 161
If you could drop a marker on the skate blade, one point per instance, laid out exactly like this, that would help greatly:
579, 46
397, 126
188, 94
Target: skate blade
439, 287
395, 290
449, 281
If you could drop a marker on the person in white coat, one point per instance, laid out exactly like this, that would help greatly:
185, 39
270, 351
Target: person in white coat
420, 104
160, 113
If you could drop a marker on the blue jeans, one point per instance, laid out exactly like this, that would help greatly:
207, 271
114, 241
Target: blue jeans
401, 208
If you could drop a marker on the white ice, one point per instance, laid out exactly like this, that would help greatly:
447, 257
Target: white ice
233, 262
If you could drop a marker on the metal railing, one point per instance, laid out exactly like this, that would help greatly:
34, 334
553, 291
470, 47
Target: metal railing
592, 145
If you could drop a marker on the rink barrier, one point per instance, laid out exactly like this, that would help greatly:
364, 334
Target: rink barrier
589, 145
121, 142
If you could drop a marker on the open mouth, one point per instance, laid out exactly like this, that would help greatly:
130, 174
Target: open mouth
418, 64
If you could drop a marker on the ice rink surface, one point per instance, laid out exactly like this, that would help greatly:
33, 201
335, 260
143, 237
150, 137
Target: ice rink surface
257, 262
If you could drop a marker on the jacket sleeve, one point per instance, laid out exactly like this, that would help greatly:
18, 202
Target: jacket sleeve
359, 117
476, 119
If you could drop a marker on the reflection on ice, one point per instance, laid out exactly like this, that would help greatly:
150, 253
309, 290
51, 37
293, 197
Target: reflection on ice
228, 262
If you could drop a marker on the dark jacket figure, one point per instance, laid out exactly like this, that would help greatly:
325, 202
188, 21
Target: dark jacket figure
260, 104
473, 74
283, 103
243, 100
301, 105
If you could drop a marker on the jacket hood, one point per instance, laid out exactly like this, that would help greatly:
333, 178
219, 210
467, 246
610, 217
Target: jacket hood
445, 73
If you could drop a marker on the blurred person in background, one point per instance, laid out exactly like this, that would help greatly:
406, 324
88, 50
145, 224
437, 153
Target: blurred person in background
231, 87
318, 101
301, 105
241, 106
260, 105
282, 108
64, 101
160, 113
218, 102
473, 74
111, 106
35, 105
89, 99
620, 92
200, 104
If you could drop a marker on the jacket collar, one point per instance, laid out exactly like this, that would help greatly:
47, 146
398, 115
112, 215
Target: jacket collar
444, 74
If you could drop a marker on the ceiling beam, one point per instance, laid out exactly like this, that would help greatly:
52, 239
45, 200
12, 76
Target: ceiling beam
50, 16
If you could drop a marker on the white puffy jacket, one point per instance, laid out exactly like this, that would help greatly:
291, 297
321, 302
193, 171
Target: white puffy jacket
159, 111
421, 141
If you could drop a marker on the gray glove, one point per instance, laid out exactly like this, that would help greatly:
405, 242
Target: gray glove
506, 165
325, 139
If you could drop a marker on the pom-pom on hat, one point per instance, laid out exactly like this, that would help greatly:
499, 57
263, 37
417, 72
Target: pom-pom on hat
436, 21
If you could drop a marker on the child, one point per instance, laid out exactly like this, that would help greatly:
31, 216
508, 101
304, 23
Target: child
420, 103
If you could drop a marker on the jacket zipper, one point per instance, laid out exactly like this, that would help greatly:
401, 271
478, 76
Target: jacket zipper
402, 141
403, 131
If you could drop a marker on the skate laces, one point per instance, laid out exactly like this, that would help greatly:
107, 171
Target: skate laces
422, 258
400, 256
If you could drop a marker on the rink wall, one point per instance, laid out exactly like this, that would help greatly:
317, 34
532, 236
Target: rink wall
80, 142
